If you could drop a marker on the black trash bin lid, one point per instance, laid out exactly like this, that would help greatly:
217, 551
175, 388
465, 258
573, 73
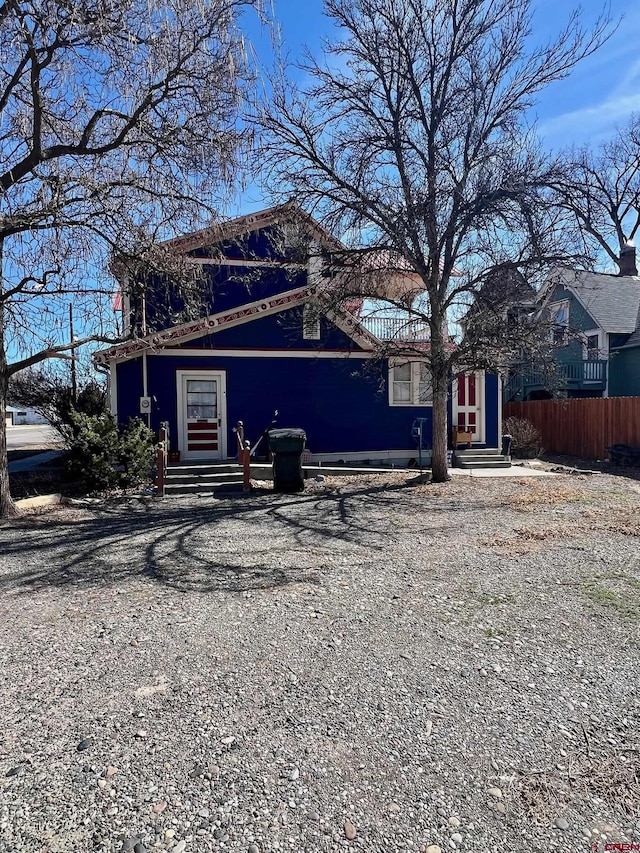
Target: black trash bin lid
292, 432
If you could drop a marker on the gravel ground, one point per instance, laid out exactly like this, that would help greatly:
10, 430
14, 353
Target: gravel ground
371, 665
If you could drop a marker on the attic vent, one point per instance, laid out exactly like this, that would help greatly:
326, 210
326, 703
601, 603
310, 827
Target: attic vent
310, 322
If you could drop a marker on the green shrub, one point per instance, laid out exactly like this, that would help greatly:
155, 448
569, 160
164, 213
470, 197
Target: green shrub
136, 452
103, 457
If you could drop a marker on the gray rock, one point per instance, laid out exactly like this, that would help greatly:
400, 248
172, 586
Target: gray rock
84, 744
139, 848
456, 838
562, 823
253, 848
130, 843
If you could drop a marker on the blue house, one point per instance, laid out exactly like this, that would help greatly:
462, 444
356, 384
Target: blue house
265, 341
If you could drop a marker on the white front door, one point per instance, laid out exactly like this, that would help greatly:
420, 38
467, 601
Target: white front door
468, 404
202, 414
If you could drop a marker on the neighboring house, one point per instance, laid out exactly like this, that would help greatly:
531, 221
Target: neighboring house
264, 343
594, 335
17, 416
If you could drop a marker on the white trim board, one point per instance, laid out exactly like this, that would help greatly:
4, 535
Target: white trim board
360, 455
256, 353
113, 390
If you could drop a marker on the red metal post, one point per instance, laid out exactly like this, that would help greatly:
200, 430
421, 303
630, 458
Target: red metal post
246, 467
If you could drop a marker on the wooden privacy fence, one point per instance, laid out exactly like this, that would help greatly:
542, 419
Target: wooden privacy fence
582, 427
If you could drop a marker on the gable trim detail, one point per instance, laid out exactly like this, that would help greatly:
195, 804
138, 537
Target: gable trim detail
198, 328
227, 319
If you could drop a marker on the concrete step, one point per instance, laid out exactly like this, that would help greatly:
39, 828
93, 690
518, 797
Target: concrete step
214, 477
199, 468
487, 462
479, 451
203, 486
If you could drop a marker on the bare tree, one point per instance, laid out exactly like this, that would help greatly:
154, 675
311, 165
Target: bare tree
411, 140
601, 190
119, 126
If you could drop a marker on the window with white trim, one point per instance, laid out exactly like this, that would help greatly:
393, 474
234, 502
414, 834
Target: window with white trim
559, 312
592, 346
409, 383
310, 322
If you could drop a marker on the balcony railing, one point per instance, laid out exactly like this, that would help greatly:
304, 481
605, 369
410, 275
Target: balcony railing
396, 329
588, 374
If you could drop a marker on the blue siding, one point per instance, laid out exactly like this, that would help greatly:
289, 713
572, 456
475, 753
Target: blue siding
278, 331
264, 243
491, 399
342, 403
224, 289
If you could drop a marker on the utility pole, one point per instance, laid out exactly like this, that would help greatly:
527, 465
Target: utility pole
74, 383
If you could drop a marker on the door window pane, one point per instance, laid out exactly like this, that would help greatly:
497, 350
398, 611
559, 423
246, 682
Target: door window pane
201, 411
206, 385
200, 399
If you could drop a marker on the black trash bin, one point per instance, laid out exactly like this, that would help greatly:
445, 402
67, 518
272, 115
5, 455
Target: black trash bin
286, 446
506, 445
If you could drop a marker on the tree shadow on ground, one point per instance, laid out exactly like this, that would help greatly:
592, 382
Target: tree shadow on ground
213, 545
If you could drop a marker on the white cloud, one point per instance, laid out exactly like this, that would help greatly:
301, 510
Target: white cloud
592, 121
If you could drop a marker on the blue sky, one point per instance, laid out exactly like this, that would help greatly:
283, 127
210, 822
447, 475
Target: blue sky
582, 110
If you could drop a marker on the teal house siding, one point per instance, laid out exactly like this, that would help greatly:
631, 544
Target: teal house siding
579, 321
624, 373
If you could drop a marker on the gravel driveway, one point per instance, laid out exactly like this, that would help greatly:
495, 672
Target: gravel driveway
372, 665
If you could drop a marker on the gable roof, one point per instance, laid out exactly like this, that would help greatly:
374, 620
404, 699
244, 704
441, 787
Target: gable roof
612, 300
243, 225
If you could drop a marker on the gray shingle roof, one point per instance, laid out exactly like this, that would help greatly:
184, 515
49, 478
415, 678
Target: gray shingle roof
613, 301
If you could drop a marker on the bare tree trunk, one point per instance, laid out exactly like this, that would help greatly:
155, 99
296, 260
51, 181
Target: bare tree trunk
7, 506
439, 470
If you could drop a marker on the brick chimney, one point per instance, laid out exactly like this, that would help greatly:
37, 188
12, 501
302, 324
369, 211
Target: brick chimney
628, 260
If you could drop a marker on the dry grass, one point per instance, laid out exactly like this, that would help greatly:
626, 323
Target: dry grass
615, 519
615, 779
544, 493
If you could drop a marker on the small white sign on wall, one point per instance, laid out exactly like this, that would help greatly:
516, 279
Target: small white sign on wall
145, 405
